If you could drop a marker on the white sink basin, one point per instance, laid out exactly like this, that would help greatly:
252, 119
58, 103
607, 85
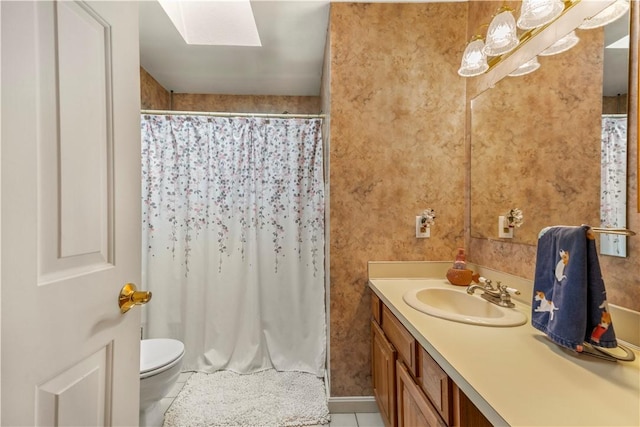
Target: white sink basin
457, 305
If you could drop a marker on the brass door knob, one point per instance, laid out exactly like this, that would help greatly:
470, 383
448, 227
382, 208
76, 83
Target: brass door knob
130, 296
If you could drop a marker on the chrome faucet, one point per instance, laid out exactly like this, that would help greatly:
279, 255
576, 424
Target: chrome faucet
500, 295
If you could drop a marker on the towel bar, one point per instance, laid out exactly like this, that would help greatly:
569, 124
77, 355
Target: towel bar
603, 353
621, 231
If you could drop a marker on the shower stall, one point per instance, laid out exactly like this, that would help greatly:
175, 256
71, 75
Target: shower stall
233, 239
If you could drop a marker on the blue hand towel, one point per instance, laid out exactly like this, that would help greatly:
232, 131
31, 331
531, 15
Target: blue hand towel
569, 298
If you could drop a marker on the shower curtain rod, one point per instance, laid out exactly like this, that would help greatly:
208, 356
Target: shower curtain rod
220, 114
614, 115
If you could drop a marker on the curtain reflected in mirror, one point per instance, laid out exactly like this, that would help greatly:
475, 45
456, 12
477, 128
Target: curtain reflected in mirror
614, 137
613, 188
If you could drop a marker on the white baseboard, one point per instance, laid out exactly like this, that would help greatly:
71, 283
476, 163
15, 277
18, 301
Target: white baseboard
342, 405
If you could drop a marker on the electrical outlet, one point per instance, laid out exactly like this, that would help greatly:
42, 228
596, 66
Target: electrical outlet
422, 232
504, 231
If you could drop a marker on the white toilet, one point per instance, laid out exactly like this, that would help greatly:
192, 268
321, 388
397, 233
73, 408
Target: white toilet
160, 365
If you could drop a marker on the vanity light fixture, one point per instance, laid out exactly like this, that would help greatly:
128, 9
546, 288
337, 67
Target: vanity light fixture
528, 67
502, 39
501, 35
612, 13
474, 60
536, 13
562, 45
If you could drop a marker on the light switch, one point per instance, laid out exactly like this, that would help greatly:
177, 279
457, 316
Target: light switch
504, 231
422, 232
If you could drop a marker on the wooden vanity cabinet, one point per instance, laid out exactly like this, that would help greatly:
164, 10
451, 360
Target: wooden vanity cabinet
414, 409
436, 384
376, 309
402, 340
411, 389
383, 374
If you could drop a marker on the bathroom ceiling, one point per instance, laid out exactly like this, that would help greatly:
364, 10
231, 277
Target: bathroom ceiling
293, 35
289, 62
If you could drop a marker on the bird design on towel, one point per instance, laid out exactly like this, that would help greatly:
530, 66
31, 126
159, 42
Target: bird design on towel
545, 304
562, 265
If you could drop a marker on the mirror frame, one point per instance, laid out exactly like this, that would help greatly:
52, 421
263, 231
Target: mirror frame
634, 86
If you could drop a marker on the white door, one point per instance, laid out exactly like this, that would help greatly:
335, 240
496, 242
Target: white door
70, 217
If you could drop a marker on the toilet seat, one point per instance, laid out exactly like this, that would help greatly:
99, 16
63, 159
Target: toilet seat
158, 355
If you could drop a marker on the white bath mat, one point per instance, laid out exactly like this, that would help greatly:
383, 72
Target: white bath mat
267, 398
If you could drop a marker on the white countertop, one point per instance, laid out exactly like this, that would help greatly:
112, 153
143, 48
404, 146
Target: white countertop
515, 375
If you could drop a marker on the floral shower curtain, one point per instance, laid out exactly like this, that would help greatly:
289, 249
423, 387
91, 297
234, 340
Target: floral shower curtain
233, 240
613, 185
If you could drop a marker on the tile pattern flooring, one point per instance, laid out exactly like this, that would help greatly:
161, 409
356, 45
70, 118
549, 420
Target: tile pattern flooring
356, 420
337, 420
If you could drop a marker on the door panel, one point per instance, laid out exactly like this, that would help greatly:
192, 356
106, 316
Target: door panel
84, 120
75, 145
70, 221
86, 382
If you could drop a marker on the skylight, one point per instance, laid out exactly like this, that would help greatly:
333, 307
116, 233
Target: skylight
217, 22
622, 43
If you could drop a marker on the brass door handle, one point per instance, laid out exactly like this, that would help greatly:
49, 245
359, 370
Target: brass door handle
130, 296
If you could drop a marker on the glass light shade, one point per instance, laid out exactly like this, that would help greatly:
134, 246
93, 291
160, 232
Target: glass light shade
474, 61
501, 35
526, 68
536, 13
562, 45
607, 16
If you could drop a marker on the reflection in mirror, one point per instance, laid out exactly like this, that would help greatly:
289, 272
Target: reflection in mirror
536, 144
613, 186
613, 173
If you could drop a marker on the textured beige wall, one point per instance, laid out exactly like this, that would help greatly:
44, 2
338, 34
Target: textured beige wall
156, 97
247, 103
153, 95
614, 104
519, 259
397, 147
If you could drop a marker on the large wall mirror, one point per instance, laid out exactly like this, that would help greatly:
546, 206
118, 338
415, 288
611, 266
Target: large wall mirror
537, 142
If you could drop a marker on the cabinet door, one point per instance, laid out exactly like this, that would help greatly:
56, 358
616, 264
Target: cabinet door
401, 339
414, 409
467, 413
383, 359
436, 384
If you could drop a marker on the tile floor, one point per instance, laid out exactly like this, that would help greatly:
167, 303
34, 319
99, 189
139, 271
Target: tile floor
356, 420
337, 420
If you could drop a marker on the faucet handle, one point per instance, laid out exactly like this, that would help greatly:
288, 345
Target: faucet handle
507, 289
505, 295
486, 283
